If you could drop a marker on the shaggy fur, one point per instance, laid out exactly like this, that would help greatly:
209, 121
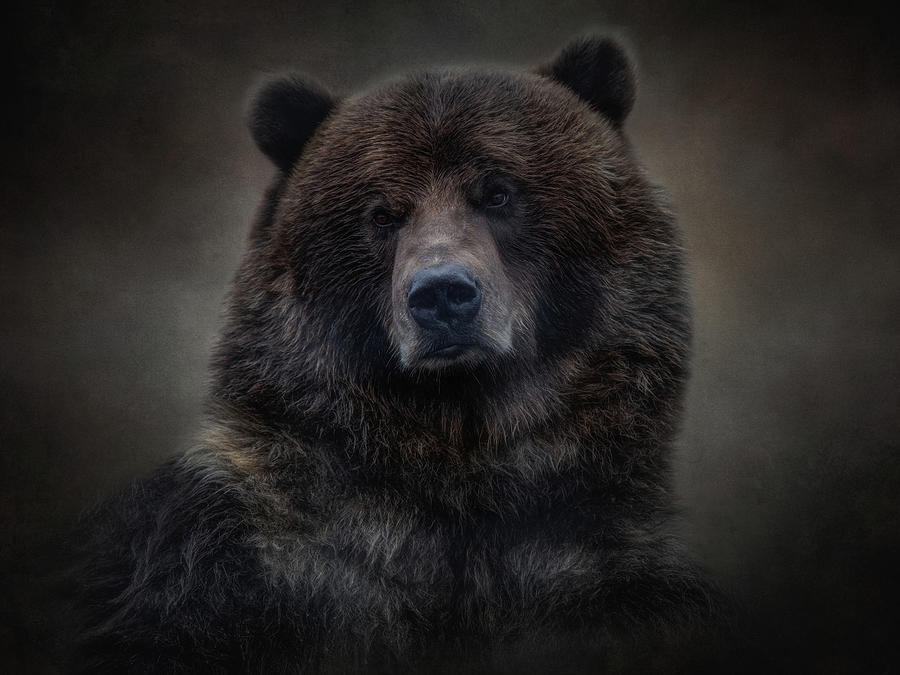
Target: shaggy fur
360, 502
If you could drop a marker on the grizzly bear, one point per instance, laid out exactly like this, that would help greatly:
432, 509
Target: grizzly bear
441, 407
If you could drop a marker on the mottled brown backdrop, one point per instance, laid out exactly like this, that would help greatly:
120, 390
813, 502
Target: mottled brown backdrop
129, 182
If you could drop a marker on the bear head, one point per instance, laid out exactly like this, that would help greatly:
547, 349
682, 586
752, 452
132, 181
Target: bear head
460, 244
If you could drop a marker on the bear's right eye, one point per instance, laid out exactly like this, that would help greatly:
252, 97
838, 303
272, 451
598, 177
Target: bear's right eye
382, 218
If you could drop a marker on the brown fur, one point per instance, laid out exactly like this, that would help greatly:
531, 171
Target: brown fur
384, 506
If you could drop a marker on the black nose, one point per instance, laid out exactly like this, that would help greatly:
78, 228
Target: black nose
443, 297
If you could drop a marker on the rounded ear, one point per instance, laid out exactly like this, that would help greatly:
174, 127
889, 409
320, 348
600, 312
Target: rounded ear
599, 71
284, 115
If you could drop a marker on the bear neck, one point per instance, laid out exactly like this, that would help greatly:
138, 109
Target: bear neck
608, 418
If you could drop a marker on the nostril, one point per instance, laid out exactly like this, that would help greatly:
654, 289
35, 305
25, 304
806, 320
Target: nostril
423, 298
461, 294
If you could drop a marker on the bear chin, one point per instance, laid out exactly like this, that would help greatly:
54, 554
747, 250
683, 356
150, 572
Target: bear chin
446, 355
450, 357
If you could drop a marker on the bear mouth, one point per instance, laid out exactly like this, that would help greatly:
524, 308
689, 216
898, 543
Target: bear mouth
450, 351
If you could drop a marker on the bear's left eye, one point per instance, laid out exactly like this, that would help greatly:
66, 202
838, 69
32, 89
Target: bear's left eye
495, 200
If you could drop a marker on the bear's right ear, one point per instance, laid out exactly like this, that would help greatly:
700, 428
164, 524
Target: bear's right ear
284, 115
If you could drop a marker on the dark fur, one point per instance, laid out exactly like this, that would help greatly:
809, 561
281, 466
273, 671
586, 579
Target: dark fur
284, 116
352, 510
600, 73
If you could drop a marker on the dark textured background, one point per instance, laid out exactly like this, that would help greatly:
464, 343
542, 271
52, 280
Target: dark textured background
129, 183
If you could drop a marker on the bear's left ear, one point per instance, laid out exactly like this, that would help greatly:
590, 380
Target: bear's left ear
599, 71
284, 115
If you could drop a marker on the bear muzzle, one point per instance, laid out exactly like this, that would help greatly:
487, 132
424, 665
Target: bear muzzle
452, 304
444, 301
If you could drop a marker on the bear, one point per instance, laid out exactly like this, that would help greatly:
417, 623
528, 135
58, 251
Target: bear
442, 405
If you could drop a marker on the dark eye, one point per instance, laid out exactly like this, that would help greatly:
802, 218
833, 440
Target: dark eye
496, 199
383, 219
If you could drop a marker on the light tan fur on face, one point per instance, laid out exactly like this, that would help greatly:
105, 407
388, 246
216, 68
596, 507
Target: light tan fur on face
445, 231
